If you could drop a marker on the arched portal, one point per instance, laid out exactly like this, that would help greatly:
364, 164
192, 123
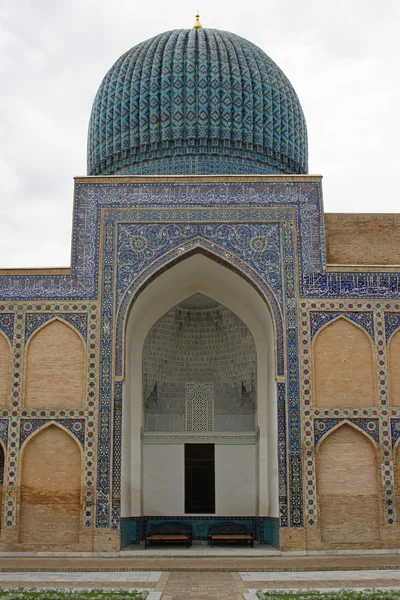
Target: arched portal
195, 275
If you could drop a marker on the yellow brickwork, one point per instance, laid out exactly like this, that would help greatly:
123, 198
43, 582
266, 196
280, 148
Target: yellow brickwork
362, 239
55, 368
394, 369
50, 496
347, 480
344, 369
5, 371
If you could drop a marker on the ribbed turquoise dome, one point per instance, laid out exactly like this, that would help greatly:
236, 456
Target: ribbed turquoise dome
196, 101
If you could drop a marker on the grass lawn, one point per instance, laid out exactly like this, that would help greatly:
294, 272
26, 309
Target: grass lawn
342, 595
63, 594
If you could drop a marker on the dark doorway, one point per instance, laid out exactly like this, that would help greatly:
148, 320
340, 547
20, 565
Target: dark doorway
199, 478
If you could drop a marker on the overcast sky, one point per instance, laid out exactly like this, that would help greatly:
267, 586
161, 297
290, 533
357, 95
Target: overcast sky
342, 57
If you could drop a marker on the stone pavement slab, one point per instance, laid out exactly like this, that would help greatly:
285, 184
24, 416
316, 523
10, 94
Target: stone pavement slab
318, 576
96, 578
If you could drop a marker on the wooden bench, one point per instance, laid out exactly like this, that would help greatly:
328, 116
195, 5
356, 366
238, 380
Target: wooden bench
229, 532
169, 533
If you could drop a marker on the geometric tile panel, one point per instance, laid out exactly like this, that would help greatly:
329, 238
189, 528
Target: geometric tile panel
364, 319
75, 426
323, 426
7, 325
392, 323
4, 431
395, 430
35, 320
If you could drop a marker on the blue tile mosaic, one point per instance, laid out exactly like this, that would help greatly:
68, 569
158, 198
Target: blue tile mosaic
7, 325
395, 430
192, 101
130, 531
320, 318
374, 285
200, 525
4, 431
75, 426
323, 426
392, 324
269, 531
35, 320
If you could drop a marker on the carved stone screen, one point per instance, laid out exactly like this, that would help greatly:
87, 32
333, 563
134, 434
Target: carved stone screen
199, 407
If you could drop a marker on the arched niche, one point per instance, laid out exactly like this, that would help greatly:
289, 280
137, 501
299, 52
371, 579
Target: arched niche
50, 492
55, 367
199, 274
394, 368
348, 487
5, 370
343, 366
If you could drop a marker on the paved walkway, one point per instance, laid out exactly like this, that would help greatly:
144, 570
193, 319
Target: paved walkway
317, 576
223, 564
203, 586
207, 578
141, 577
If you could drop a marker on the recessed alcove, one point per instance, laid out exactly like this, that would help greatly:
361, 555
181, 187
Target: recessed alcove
199, 368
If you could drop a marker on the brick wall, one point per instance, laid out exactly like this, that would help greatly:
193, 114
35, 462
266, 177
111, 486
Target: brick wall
362, 239
55, 368
347, 480
394, 370
5, 371
344, 368
50, 493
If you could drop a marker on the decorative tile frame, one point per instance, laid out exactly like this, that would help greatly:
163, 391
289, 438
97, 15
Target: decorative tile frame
364, 319
16, 414
29, 426
7, 325
204, 221
374, 421
392, 324
323, 426
4, 431
35, 320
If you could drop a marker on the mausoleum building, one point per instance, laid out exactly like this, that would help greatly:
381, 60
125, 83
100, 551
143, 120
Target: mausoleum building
220, 350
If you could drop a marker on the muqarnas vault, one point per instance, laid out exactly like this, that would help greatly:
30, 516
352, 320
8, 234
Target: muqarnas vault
219, 350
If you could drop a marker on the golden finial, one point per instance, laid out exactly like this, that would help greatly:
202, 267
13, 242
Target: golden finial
197, 25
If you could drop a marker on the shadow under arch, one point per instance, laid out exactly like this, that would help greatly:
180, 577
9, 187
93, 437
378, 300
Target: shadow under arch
221, 257
197, 271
